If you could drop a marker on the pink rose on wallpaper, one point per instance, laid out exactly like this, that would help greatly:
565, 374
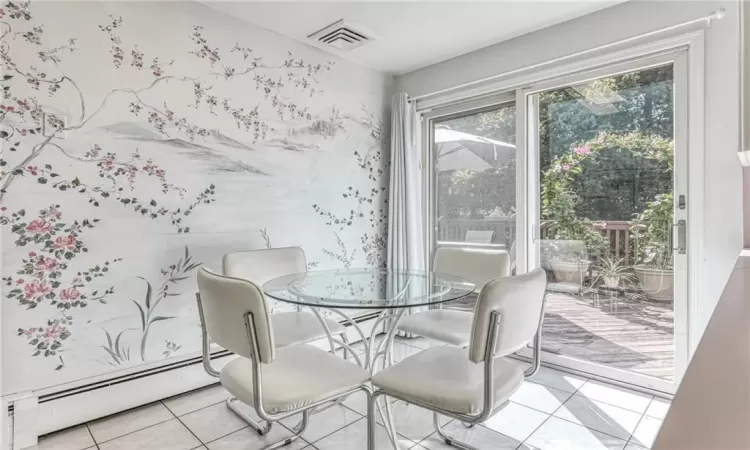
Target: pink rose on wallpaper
46, 264
70, 294
65, 243
585, 150
566, 167
53, 332
35, 289
38, 226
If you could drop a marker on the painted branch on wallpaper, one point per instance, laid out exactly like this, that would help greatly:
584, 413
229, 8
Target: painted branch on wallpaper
31, 130
369, 206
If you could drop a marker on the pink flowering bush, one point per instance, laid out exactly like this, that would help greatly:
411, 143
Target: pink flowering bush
40, 278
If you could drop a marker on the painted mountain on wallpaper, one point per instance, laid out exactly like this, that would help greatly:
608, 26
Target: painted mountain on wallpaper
207, 149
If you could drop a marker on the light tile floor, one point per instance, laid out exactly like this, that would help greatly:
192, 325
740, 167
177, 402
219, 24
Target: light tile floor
552, 411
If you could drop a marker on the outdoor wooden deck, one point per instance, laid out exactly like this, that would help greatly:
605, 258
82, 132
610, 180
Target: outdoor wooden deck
627, 332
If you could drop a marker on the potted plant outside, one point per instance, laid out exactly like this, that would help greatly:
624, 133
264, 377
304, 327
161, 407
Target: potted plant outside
613, 271
653, 267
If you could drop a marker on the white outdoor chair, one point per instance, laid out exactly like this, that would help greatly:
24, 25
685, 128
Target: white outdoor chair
472, 387
452, 326
276, 382
293, 327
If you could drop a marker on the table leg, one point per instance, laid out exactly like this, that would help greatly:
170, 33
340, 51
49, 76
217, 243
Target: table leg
373, 351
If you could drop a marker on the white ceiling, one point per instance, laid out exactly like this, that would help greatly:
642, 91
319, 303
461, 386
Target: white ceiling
411, 35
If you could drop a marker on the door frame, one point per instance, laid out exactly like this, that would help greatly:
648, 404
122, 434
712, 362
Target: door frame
691, 92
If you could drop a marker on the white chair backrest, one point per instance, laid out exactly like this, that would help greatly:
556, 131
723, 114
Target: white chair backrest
476, 265
225, 301
479, 236
519, 300
260, 266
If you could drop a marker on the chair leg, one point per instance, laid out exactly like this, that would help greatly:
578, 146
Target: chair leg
446, 439
371, 419
298, 432
261, 430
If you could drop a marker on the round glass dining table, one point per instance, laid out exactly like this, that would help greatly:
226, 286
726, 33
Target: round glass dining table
347, 293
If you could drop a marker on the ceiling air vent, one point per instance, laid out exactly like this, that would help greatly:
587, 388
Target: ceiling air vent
341, 36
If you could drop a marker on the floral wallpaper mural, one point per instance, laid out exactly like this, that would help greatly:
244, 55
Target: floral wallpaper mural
148, 139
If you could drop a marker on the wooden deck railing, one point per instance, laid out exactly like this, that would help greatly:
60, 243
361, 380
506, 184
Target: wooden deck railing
616, 232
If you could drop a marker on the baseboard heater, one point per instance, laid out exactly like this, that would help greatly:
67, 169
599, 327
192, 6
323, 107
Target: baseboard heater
69, 407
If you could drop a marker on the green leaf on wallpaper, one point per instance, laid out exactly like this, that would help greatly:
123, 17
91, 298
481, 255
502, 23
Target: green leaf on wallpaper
109, 338
76, 182
152, 203
41, 180
142, 313
7, 77
48, 166
158, 318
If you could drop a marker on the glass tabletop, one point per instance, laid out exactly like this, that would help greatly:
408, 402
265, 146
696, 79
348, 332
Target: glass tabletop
367, 288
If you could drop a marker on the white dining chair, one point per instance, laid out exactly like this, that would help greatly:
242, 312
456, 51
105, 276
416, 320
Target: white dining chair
471, 387
453, 326
292, 327
276, 382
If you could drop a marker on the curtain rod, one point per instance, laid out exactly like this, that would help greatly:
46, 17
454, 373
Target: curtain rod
718, 14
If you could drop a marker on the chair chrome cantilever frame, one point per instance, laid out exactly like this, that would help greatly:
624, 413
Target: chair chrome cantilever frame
488, 409
257, 387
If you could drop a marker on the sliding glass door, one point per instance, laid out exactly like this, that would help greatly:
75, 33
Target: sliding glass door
608, 220
586, 176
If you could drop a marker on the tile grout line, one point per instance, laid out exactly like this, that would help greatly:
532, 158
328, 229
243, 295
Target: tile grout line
132, 432
92, 436
183, 424
337, 430
630, 439
223, 436
556, 409
583, 426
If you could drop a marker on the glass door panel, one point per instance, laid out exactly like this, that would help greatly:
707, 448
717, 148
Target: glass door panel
475, 178
604, 222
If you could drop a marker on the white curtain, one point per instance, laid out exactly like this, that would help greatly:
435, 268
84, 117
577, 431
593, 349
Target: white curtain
405, 222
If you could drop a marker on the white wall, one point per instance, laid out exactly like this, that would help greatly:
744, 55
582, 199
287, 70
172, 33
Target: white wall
723, 222
273, 178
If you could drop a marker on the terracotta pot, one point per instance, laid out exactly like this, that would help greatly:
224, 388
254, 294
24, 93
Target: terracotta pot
657, 284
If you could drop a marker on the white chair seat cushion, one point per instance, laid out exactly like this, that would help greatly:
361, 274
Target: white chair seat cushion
300, 327
445, 325
299, 376
444, 378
